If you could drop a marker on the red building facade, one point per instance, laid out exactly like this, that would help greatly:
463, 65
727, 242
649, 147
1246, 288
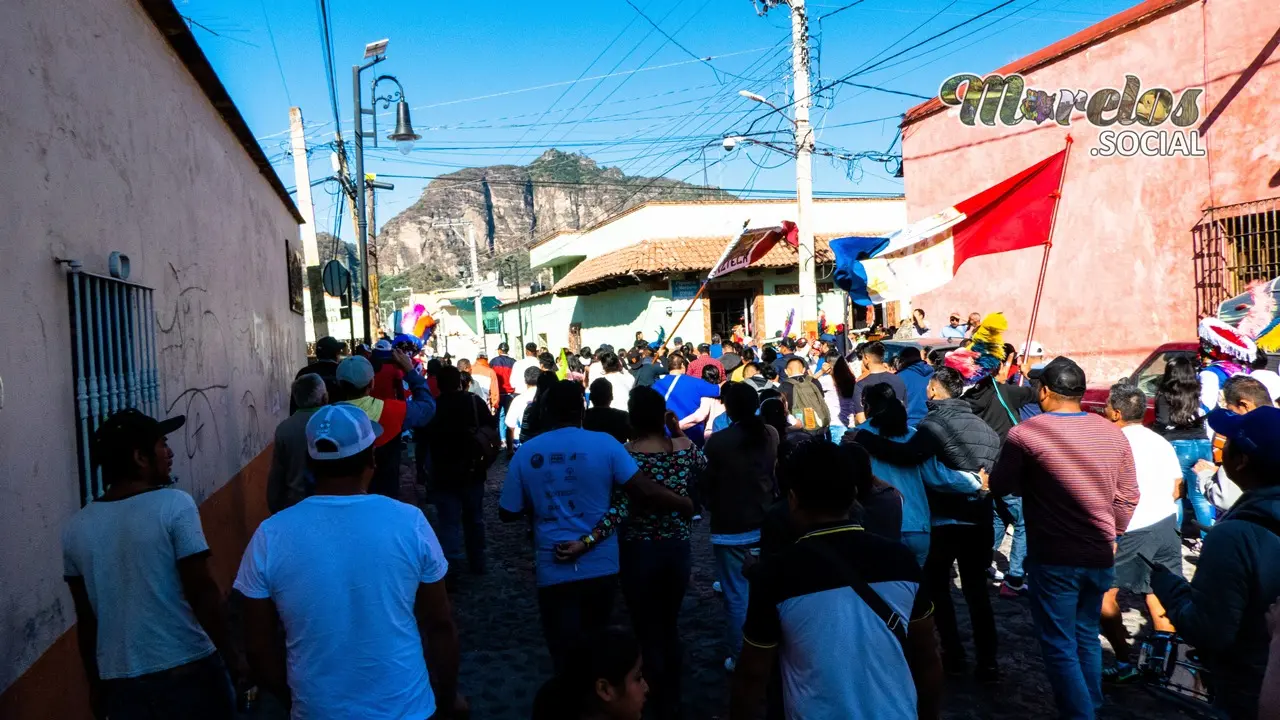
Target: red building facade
1143, 244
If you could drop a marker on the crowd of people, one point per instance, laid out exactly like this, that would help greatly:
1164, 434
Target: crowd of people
842, 493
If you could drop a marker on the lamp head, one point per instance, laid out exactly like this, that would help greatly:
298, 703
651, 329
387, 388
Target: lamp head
404, 136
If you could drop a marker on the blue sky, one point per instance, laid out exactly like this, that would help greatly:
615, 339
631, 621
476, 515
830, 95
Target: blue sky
493, 82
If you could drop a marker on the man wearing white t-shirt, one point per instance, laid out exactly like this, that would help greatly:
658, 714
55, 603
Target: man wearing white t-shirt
148, 609
519, 402
530, 360
1152, 533
355, 629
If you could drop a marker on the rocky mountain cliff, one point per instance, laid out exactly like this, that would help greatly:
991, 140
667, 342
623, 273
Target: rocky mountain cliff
508, 207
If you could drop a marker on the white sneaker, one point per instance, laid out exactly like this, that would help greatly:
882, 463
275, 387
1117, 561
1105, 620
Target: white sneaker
994, 573
715, 587
729, 664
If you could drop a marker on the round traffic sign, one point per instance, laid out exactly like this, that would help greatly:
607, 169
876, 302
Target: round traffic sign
336, 278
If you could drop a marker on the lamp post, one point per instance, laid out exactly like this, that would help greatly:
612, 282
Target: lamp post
403, 136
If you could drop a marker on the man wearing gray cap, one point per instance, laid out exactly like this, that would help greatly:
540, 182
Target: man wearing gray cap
1075, 474
355, 383
356, 631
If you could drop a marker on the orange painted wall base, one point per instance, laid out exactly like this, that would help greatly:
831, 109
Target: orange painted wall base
54, 686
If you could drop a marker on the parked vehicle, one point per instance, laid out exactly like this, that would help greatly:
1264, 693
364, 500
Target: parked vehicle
1147, 377
930, 348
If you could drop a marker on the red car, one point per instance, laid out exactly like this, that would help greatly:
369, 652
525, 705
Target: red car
1147, 377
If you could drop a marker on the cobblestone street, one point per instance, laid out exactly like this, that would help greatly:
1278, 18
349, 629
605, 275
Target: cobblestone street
504, 658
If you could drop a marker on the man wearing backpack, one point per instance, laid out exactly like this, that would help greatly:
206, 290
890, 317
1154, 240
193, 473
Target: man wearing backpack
1222, 611
805, 398
463, 442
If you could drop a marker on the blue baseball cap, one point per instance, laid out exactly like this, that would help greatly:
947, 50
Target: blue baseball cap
340, 430
1256, 433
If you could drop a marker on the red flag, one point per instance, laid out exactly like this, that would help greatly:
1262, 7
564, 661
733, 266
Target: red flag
1011, 215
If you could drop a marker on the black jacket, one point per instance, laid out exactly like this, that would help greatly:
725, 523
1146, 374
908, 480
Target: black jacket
959, 439
986, 404
950, 431
1222, 610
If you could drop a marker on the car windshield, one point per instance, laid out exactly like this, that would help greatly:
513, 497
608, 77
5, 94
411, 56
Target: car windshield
1148, 377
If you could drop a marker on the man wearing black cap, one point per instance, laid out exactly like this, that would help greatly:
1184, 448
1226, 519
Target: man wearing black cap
1075, 473
329, 351
1222, 610
151, 630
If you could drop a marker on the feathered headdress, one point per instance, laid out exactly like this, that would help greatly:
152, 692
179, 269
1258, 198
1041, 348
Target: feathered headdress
1224, 342
988, 342
1261, 314
965, 362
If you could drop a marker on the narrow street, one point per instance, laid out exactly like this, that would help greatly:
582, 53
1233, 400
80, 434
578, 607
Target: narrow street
504, 660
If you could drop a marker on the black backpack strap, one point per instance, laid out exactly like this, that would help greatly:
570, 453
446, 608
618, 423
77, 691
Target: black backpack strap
896, 623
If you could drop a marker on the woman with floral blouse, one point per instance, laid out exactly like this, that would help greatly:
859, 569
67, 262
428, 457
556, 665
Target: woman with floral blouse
654, 553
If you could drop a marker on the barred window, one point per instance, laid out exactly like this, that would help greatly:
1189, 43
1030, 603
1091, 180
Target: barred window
1234, 247
114, 359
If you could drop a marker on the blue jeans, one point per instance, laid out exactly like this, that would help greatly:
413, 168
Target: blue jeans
1066, 605
729, 560
1189, 452
918, 542
199, 690
1008, 511
460, 516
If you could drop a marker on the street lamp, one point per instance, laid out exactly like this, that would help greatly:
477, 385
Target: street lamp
808, 304
404, 137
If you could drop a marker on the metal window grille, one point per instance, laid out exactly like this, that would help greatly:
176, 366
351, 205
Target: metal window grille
114, 357
1234, 247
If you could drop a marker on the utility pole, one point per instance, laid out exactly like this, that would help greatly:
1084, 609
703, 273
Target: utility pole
348, 187
475, 276
371, 243
515, 261
808, 310
371, 184
475, 281
316, 315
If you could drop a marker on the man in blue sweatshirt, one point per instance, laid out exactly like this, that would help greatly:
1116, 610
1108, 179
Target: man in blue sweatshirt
915, 374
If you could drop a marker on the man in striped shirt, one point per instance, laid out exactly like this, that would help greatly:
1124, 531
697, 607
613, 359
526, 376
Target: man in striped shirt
1075, 473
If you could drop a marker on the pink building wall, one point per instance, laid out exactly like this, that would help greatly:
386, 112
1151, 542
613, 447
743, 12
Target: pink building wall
1120, 272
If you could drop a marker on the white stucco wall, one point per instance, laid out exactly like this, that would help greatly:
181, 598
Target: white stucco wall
111, 145
614, 316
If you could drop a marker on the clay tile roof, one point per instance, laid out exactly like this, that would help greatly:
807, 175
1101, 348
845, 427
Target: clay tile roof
657, 258
1116, 24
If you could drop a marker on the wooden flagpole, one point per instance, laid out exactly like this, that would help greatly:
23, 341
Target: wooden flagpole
703, 286
1044, 264
685, 314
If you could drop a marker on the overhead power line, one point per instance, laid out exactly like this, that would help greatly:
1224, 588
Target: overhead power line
262, 4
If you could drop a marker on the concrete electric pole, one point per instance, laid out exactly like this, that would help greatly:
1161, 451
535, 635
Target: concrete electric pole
808, 310
316, 315
808, 305
475, 277
475, 282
